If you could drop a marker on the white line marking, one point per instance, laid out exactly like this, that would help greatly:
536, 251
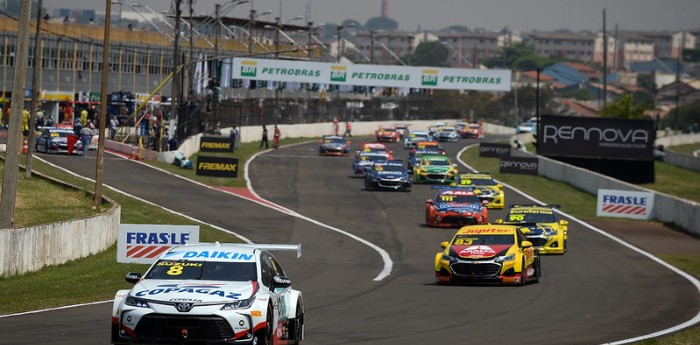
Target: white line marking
687, 276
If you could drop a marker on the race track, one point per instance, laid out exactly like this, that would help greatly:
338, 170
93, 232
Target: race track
600, 291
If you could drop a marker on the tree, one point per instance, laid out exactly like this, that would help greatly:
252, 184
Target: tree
625, 107
381, 23
429, 54
456, 28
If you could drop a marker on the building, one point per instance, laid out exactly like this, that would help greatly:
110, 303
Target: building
571, 46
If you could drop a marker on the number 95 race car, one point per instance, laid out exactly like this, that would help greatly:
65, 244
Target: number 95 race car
211, 293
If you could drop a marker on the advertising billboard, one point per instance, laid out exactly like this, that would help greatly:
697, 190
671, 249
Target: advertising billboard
607, 138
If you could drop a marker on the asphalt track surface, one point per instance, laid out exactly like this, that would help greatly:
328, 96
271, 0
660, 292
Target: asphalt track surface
598, 292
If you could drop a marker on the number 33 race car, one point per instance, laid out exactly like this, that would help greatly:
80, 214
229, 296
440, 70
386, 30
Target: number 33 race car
211, 293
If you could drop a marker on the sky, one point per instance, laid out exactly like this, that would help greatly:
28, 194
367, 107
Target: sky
518, 15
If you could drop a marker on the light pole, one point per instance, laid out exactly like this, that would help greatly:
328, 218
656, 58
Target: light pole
372, 35
340, 37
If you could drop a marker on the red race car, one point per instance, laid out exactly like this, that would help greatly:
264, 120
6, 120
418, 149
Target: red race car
388, 134
455, 207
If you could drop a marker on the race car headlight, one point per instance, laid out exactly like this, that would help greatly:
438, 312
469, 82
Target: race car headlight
240, 304
448, 258
510, 257
136, 302
550, 232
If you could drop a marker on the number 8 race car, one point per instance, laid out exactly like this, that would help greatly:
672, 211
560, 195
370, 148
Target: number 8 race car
211, 293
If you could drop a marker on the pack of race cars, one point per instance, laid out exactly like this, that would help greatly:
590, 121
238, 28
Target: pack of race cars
483, 250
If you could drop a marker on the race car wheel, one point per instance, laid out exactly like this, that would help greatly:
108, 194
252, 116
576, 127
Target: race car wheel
523, 274
297, 325
264, 336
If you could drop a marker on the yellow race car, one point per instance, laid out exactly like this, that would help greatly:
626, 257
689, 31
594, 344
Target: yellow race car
491, 190
487, 254
541, 226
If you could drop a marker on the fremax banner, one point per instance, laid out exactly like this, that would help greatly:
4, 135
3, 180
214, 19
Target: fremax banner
371, 75
608, 138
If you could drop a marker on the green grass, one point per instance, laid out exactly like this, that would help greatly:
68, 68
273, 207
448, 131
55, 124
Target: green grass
687, 149
582, 205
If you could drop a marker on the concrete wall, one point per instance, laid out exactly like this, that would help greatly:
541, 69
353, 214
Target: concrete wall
683, 213
682, 161
315, 130
29, 249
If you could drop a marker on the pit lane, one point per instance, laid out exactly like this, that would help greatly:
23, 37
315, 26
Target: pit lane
600, 291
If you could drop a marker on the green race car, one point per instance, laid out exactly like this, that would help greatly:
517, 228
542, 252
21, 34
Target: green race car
434, 169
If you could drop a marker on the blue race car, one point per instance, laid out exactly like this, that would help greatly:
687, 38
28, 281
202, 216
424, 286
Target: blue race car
389, 175
364, 161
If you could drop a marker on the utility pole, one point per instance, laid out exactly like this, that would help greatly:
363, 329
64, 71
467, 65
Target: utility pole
372, 34
35, 93
605, 62
99, 165
175, 90
14, 135
340, 28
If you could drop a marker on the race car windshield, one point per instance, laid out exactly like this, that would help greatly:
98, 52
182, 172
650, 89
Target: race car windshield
374, 158
534, 217
478, 181
390, 168
203, 270
436, 162
459, 199
335, 141
472, 240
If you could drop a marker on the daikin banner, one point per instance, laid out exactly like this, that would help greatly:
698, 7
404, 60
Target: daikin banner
372, 75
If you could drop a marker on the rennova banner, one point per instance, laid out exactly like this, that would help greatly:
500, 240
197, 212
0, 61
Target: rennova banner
372, 75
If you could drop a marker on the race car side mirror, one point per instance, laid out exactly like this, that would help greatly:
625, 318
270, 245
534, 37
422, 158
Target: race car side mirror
563, 222
444, 244
132, 277
526, 244
280, 282
430, 201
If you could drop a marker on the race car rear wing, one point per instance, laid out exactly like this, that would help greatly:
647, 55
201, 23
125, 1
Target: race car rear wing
262, 246
532, 205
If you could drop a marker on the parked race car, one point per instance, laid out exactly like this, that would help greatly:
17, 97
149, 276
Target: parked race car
414, 137
364, 161
487, 254
489, 189
447, 133
55, 140
333, 145
388, 134
434, 169
210, 293
455, 207
388, 175
541, 226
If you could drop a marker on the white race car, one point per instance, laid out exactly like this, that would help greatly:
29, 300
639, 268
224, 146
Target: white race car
211, 293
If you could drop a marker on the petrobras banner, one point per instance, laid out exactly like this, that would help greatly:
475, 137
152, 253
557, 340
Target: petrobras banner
371, 75
624, 204
608, 138
143, 243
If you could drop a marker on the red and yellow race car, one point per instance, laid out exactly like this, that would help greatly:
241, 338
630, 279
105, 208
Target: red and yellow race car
487, 254
375, 147
388, 134
455, 207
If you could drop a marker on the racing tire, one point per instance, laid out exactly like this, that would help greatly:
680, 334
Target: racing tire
264, 336
523, 274
297, 327
538, 269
